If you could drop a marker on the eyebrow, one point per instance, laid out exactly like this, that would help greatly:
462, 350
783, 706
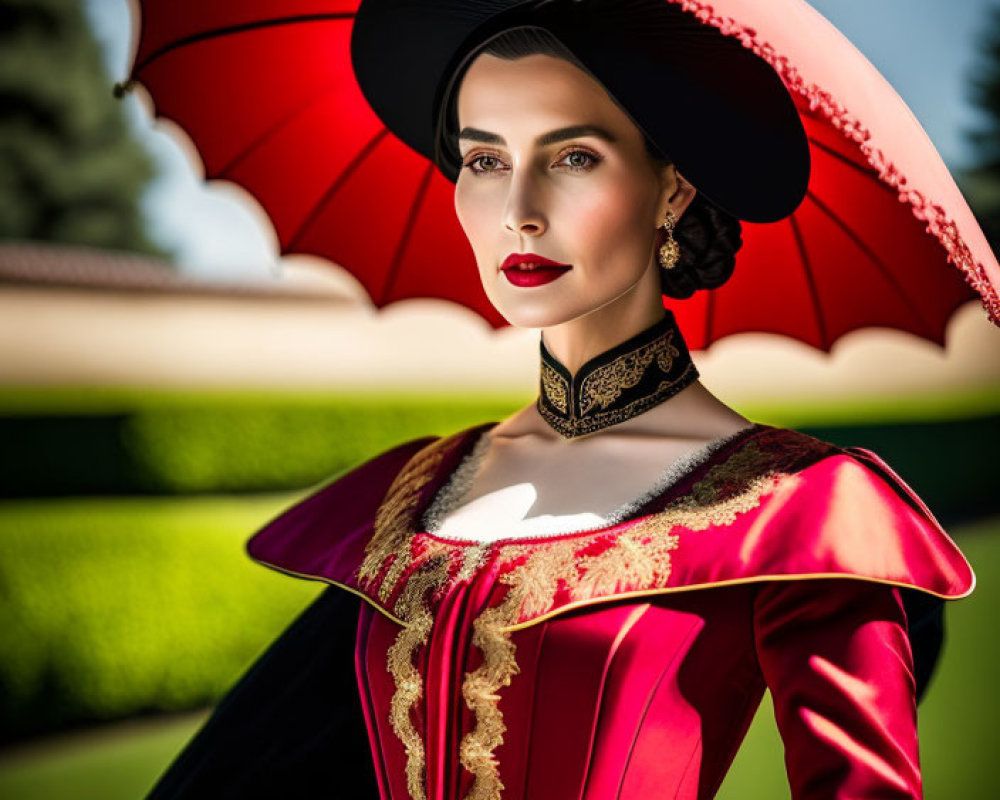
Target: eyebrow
558, 135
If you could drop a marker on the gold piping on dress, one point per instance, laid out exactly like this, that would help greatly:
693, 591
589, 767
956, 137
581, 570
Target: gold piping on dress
309, 576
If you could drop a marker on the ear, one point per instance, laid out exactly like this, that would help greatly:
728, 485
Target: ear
677, 194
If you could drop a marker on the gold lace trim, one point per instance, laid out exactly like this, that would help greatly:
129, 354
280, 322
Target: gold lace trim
638, 556
635, 559
635, 556
412, 607
390, 540
480, 690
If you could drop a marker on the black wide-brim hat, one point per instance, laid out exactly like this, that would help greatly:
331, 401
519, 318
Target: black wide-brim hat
718, 111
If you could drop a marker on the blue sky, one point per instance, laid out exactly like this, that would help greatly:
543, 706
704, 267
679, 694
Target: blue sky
926, 49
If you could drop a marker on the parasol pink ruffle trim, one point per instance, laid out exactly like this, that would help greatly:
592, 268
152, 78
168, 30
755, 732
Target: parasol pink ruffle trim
939, 224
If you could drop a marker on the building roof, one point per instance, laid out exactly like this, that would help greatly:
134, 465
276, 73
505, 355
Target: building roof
80, 266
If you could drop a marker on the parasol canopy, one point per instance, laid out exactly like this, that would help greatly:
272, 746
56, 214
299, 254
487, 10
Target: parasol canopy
266, 91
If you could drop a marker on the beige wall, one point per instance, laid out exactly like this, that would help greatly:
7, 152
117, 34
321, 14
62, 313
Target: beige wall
60, 335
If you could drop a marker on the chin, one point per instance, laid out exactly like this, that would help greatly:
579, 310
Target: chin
540, 312
554, 304
524, 308
533, 320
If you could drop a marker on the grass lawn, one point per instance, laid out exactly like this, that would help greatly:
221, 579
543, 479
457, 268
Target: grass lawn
17, 400
111, 607
958, 737
115, 762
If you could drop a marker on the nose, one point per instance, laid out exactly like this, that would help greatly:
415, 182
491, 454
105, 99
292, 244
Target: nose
523, 213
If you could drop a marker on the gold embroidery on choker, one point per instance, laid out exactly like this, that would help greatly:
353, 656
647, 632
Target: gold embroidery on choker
555, 388
618, 384
605, 384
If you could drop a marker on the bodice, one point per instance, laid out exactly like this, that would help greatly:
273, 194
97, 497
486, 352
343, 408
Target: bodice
586, 664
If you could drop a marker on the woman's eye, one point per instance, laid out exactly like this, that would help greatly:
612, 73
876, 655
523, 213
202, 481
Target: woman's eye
579, 159
483, 164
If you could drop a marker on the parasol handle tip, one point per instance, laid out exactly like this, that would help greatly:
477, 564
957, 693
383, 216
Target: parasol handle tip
121, 88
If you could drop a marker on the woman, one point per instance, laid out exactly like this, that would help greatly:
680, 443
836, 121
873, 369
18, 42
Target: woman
589, 598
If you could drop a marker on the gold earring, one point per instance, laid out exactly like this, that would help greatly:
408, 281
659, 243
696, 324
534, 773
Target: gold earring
670, 251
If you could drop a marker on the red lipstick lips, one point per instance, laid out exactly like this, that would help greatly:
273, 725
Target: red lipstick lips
528, 269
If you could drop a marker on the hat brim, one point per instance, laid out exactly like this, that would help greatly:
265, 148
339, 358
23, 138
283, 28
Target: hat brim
716, 109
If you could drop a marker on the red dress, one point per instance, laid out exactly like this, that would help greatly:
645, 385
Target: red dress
628, 662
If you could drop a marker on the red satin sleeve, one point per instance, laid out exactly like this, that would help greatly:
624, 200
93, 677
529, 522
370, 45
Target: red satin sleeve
836, 658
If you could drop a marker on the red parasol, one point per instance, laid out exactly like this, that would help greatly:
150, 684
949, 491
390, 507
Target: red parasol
266, 91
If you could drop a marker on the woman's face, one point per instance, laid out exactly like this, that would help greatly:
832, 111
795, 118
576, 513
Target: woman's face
553, 167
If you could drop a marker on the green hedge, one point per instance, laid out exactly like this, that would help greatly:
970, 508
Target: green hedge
76, 442
113, 607
949, 463
174, 444
60, 443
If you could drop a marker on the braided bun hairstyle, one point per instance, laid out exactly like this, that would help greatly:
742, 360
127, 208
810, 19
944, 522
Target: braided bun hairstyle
708, 237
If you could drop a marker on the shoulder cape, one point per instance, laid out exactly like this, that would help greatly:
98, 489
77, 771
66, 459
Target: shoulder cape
776, 505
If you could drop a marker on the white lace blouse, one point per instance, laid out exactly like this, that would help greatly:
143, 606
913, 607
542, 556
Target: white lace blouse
440, 518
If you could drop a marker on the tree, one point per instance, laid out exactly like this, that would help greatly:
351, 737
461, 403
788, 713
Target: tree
982, 183
70, 170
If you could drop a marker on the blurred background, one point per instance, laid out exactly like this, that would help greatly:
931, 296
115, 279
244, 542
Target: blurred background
167, 385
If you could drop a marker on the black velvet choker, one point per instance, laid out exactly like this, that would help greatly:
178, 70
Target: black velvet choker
618, 384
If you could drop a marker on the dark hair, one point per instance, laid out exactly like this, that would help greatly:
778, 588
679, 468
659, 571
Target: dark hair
708, 236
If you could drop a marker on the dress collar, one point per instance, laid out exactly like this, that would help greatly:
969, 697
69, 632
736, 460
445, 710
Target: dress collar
618, 384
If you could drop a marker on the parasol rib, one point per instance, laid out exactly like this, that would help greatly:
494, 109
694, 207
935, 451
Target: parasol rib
811, 280
405, 238
232, 29
273, 129
352, 165
879, 264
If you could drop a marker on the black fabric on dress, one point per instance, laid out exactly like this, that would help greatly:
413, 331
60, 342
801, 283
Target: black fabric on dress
925, 629
292, 726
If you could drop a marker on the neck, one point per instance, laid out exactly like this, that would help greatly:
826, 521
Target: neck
618, 383
575, 342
